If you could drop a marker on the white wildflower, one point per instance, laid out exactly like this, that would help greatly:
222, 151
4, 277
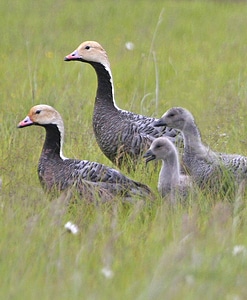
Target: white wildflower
189, 279
238, 249
223, 134
107, 272
73, 228
129, 46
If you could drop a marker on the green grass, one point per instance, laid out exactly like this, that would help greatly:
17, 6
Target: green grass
199, 49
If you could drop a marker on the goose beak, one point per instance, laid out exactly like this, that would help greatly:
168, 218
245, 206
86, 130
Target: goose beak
26, 122
159, 123
149, 156
72, 56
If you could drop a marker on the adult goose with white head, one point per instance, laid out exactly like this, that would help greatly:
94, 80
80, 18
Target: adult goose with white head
122, 136
58, 172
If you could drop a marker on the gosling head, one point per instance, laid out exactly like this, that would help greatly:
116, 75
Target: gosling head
161, 148
176, 117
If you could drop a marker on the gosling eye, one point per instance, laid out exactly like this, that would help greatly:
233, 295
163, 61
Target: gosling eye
87, 47
38, 112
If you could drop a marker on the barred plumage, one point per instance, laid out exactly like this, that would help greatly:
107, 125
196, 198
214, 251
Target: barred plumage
171, 183
207, 167
58, 172
119, 133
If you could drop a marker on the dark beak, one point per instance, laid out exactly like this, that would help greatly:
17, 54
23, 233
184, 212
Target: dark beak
149, 156
159, 123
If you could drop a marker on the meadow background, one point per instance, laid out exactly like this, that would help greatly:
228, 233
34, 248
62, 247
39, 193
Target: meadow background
186, 53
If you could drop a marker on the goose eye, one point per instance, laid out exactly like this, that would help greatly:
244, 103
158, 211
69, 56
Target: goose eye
87, 47
38, 112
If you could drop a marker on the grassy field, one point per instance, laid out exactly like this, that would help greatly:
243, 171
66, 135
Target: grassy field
190, 54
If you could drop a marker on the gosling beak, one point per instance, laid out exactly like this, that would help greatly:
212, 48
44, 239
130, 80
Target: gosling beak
159, 123
149, 156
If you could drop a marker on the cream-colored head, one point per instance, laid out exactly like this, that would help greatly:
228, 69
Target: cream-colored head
42, 114
90, 52
93, 53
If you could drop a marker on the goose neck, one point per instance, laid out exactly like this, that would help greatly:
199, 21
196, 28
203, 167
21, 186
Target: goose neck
105, 89
169, 173
192, 137
53, 141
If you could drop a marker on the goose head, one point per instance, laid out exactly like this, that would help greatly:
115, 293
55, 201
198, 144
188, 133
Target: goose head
161, 148
176, 117
90, 52
45, 115
42, 115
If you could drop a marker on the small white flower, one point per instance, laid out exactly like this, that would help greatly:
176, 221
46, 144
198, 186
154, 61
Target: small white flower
129, 46
238, 249
71, 227
107, 272
189, 279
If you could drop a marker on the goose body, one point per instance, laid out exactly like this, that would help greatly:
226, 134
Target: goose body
205, 166
171, 182
119, 133
58, 172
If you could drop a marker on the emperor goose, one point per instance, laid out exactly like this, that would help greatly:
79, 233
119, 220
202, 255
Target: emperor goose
171, 182
206, 166
58, 172
120, 134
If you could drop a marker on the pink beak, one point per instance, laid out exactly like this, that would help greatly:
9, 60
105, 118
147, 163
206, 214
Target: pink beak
26, 122
72, 56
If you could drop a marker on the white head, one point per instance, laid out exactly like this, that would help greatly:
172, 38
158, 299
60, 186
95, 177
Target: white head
42, 115
90, 52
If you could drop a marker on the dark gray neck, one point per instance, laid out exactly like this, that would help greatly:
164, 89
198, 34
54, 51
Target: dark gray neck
52, 144
104, 93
